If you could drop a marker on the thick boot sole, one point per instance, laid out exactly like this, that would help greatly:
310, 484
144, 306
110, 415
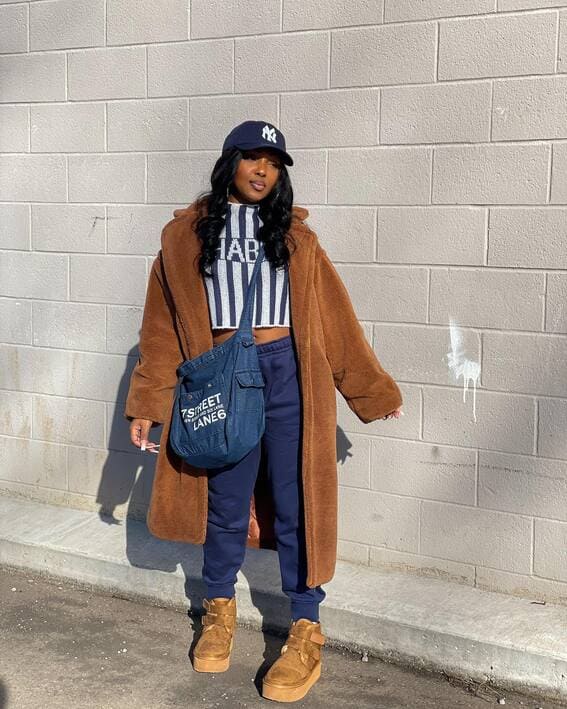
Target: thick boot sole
203, 664
290, 694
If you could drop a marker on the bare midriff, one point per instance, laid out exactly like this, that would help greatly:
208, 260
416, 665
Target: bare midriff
261, 334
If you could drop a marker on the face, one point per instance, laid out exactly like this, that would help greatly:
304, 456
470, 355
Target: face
256, 175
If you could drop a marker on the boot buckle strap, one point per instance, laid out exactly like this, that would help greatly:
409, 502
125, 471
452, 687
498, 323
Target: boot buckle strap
315, 637
301, 644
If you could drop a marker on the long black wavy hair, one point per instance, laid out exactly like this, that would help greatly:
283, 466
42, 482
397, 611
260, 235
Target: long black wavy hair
275, 211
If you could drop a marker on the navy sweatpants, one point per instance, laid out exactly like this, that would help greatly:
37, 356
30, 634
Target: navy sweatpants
231, 488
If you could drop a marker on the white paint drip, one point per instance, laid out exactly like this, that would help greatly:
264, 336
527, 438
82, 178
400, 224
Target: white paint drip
461, 365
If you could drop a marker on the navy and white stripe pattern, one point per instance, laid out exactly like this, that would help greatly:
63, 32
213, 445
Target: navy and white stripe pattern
232, 271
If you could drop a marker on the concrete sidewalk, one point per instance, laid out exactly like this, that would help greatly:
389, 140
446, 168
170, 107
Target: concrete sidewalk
413, 620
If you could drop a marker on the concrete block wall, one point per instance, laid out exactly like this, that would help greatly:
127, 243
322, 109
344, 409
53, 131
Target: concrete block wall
430, 139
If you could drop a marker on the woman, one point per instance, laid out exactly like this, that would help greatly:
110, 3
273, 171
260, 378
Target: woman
300, 306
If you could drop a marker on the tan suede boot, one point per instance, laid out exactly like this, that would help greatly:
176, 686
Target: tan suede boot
212, 651
299, 665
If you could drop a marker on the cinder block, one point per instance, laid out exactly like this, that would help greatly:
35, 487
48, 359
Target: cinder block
490, 174
422, 354
177, 176
15, 321
530, 109
15, 226
375, 518
552, 424
400, 10
422, 565
33, 178
522, 484
147, 125
16, 417
384, 293
297, 62
550, 544
136, 229
431, 235
142, 22
450, 113
352, 551
530, 364
67, 128
82, 375
336, 118
354, 462
13, 29
507, 5
216, 18
310, 177
108, 279
190, 68
531, 238
556, 303
524, 585
33, 275
68, 228
314, 14
487, 298
474, 536
346, 233
391, 176
376, 56
123, 324
33, 77
229, 111
505, 45
75, 326
504, 422
562, 49
33, 462
106, 178
72, 421
63, 24
14, 137
422, 470
559, 174
112, 72
87, 466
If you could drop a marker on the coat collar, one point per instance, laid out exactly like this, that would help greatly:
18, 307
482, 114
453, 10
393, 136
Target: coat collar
180, 247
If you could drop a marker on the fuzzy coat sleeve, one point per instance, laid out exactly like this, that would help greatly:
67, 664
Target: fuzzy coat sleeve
368, 389
154, 376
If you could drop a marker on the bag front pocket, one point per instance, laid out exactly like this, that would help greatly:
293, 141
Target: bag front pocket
249, 391
202, 414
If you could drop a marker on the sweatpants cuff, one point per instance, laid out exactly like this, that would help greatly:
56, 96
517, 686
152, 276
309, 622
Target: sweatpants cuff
305, 610
226, 591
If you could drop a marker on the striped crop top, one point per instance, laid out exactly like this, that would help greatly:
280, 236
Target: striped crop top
232, 271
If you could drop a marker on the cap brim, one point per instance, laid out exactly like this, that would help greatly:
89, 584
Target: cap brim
286, 157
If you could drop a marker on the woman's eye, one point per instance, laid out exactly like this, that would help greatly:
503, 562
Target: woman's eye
252, 157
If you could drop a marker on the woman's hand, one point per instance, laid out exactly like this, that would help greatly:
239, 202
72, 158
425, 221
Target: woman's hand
139, 430
394, 414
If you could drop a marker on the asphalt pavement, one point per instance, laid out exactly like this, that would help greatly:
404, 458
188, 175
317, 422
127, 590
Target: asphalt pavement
65, 646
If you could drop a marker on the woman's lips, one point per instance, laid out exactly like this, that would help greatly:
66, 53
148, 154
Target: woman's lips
258, 186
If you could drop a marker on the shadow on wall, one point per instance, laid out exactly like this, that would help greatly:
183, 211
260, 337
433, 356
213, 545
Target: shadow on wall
127, 477
3, 695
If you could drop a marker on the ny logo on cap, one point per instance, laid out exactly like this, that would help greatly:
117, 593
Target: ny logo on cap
269, 133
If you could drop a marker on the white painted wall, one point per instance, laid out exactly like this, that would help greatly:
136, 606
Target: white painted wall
430, 140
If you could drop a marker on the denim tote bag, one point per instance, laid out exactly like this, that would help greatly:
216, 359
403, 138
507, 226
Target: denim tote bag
218, 413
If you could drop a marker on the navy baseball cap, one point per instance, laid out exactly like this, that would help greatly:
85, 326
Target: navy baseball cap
257, 134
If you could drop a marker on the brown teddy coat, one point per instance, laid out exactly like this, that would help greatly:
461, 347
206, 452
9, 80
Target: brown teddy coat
332, 351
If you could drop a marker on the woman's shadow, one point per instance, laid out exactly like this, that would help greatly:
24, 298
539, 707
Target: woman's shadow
126, 480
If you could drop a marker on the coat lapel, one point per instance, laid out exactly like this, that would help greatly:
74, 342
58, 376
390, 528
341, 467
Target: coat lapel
180, 252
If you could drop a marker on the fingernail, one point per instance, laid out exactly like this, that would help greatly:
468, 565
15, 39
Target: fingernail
143, 446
